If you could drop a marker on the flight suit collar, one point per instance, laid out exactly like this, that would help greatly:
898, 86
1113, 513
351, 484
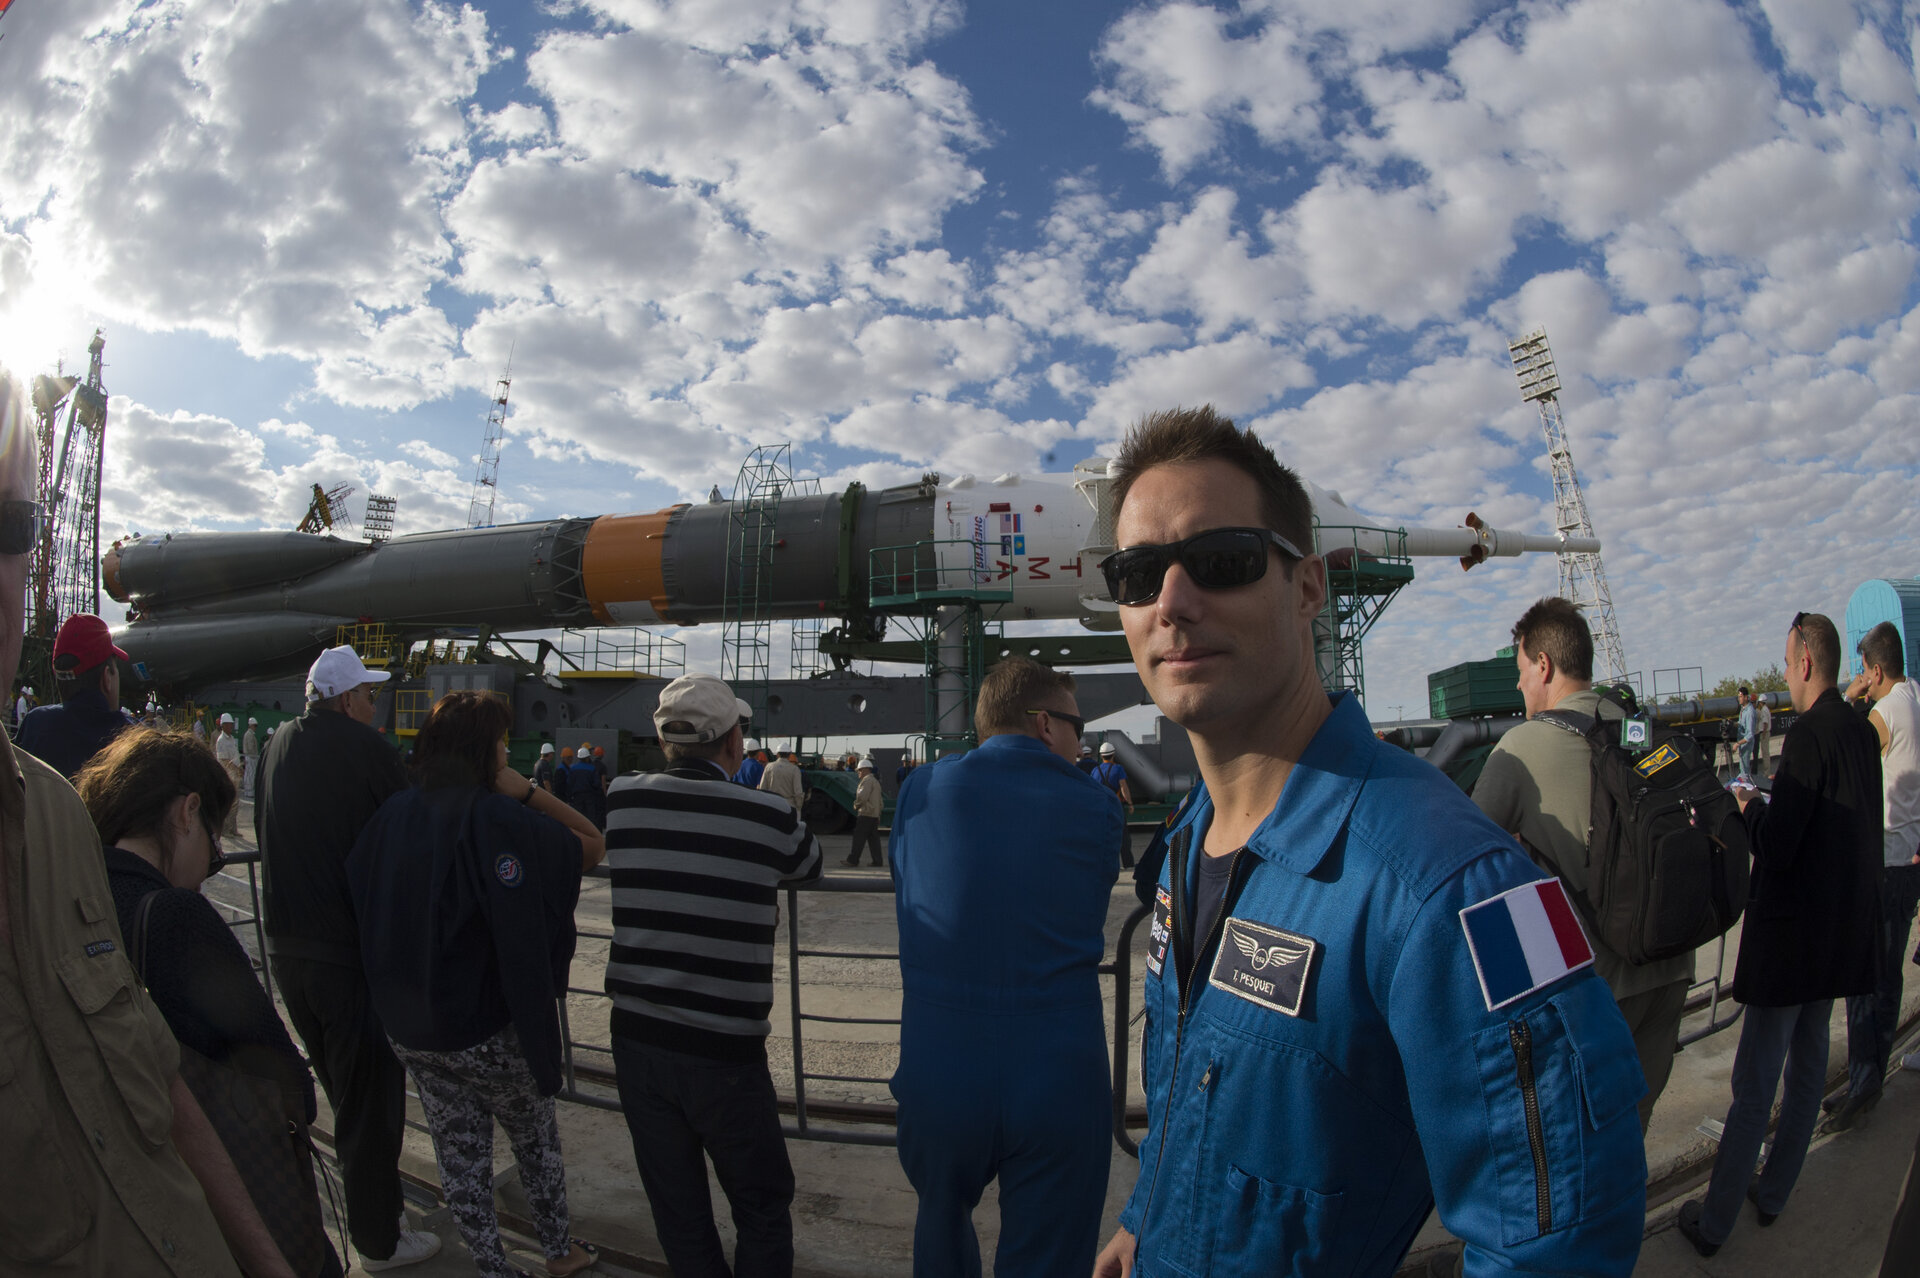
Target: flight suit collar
1319, 794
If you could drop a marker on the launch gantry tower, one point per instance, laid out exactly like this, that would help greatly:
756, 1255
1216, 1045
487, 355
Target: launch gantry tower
1583, 581
65, 571
486, 474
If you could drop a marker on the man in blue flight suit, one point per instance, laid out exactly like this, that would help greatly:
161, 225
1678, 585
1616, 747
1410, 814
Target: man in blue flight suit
1361, 998
86, 665
1003, 863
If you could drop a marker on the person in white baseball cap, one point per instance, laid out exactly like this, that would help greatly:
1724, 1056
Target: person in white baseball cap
322, 777
338, 672
697, 709
697, 867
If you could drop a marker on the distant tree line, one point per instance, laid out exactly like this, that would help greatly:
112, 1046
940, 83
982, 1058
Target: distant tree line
1771, 679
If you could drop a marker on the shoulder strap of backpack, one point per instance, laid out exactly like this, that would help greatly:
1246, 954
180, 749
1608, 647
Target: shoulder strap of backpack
138, 941
1580, 725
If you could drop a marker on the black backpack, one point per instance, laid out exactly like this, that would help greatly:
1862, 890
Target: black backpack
1667, 850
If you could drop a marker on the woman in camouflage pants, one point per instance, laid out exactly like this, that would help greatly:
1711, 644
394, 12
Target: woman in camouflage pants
464, 889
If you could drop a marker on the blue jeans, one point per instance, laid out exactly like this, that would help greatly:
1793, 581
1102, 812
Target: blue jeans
1746, 760
1770, 1037
1872, 1018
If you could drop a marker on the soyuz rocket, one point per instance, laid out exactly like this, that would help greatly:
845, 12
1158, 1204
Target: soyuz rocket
208, 606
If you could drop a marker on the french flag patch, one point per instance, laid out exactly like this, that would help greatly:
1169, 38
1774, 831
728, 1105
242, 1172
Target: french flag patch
1523, 939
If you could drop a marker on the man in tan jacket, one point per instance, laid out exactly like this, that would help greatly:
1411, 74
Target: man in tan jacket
867, 805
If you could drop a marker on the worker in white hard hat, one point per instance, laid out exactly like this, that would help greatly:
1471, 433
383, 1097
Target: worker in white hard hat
226, 748
543, 771
753, 765
782, 777
867, 805
249, 757
1109, 773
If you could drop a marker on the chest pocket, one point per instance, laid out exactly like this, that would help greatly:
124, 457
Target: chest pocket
102, 988
46, 1206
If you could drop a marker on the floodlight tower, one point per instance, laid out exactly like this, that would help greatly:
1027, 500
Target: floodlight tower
1583, 576
1583, 582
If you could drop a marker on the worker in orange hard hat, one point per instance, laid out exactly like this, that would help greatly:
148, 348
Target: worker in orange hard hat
603, 767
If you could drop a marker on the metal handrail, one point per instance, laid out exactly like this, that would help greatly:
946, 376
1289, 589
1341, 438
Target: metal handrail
1711, 986
249, 857
1119, 966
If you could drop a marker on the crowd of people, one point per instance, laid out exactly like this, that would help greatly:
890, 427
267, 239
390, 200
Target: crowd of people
1367, 995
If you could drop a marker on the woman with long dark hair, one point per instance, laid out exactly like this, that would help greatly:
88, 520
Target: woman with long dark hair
464, 888
159, 799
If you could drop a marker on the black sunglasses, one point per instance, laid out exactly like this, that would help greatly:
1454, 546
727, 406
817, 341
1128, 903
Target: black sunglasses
20, 525
1079, 724
1217, 559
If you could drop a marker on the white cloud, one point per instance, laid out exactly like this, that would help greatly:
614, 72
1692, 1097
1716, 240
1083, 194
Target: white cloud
1180, 79
183, 168
815, 147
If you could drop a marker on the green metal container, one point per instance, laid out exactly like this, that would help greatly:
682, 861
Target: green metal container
1475, 688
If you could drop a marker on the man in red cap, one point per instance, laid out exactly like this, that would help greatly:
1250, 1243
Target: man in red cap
86, 666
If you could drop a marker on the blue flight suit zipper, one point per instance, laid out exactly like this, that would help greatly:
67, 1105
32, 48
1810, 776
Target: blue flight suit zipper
1186, 962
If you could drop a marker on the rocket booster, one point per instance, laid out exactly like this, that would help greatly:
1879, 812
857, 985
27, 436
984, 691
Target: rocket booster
203, 606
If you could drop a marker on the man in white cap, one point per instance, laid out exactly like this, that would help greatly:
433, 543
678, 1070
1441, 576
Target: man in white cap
321, 779
226, 748
868, 803
697, 865
250, 757
783, 778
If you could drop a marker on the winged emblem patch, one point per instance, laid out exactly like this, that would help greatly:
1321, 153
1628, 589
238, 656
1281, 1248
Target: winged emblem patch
1264, 965
1279, 955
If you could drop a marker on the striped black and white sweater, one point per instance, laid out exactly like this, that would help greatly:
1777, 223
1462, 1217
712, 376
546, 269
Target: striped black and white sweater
697, 863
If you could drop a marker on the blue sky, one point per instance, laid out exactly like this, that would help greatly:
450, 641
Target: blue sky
983, 237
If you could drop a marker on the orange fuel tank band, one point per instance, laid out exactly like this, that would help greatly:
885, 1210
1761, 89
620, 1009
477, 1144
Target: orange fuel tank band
110, 574
622, 562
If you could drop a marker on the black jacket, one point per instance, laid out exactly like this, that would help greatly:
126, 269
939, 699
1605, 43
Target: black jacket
321, 779
201, 979
464, 901
65, 736
1809, 929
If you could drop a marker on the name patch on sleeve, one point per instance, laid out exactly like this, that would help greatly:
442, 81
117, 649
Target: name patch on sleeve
1523, 939
1263, 965
1161, 932
96, 948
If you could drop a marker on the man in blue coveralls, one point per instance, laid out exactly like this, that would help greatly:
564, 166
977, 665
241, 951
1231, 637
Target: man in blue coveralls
1003, 863
1361, 998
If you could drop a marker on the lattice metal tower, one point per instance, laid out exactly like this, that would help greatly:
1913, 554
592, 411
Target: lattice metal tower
486, 475
803, 642
71, 491
327, 511
746, 641
1583, 581
379, 521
